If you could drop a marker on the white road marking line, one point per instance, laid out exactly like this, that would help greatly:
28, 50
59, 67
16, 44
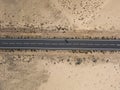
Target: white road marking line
4, 43
118, 44
53, 44
17, 43
11, 43
61, 44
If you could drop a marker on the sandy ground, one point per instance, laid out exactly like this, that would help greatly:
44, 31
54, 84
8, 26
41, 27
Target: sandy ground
59, 70
60, 18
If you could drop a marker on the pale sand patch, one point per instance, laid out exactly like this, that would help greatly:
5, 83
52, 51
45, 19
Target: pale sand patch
98, 77
108, 18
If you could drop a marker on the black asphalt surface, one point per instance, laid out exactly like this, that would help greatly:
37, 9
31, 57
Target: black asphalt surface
60, 44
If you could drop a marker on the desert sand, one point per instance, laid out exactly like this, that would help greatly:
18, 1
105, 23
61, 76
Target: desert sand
59, 70
60, 18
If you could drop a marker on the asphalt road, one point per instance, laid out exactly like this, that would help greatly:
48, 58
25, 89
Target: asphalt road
57, 44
